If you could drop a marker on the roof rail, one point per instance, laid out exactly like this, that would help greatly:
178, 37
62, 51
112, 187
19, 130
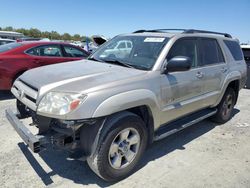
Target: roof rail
208, 32
185, 31
159, 30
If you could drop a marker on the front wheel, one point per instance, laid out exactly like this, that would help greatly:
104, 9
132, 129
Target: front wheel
225, 108
120, 148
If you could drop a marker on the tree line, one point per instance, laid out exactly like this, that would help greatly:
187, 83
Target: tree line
53, 35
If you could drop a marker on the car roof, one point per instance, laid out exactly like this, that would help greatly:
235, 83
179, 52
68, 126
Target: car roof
245, 46
1, 39
41, 42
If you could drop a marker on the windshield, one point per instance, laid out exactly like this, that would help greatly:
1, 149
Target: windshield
10, 46
139, 52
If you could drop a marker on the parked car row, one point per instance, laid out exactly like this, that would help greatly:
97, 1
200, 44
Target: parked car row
18, 57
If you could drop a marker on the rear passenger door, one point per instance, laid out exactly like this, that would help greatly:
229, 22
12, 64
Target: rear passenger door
212, 68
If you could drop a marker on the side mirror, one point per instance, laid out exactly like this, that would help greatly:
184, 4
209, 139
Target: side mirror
177, 64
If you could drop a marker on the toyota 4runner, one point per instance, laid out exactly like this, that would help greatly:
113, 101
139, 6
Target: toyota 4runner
109, 108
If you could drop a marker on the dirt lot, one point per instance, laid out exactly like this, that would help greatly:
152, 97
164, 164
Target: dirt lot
204, 155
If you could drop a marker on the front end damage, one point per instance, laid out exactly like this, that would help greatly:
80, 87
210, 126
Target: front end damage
78, 137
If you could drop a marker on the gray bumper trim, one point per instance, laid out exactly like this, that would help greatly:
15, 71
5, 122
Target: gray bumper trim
33, 141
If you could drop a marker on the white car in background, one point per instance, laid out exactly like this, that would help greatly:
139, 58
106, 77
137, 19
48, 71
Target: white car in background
6, 41
120, 49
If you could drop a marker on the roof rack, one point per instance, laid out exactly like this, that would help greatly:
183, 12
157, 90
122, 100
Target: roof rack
208, 32
159, 30
184, 31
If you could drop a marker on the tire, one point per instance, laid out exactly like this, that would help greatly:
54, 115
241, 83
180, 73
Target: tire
225, 108
105, 161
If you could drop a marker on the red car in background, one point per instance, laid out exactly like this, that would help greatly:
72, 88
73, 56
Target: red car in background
16, 58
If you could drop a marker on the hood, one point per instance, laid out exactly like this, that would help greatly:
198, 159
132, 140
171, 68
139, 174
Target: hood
77, 76
99, 39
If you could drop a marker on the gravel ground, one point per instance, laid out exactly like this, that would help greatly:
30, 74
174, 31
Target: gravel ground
204, 155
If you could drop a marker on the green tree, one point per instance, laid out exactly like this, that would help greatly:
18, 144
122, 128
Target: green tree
76, 37
55, 36
9, 28
35, 33
66, 36
46, 34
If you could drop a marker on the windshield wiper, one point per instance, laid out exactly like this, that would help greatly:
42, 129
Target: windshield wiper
117, 62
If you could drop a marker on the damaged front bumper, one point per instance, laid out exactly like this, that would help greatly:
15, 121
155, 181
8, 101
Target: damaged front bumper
33, 141
79, 137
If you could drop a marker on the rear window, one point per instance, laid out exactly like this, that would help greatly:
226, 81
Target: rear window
10, 46
211, 52
235, 49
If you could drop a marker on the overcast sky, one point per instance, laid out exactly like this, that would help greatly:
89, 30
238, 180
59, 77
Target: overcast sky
112, 17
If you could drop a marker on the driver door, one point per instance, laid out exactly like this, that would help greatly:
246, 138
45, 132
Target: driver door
181, 91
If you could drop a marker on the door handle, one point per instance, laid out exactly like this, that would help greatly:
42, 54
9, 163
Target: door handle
199, 74
224, 69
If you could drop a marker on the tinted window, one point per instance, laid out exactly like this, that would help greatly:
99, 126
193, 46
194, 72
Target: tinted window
48, 50
246, 53
10, 46
74, 52
235, 49
185, 47
210, 52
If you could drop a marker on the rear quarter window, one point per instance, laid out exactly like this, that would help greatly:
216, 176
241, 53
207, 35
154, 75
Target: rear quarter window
235, 49
10, 46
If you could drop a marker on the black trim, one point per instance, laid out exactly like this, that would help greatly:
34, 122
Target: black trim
34, 142
180, 122
191, 31
25, 83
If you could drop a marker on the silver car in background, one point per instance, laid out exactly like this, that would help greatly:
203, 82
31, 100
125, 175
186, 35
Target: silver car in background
109, 108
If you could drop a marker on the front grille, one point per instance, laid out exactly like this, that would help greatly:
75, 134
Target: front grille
26, 93
31, 99
27, 84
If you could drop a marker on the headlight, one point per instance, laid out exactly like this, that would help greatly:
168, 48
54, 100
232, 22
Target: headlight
60, 103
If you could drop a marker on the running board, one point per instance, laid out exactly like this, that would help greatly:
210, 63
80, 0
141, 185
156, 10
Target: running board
182, 123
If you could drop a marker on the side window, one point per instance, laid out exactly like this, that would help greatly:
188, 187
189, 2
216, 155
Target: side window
74, 52
48, 51
235, 49
185, 47
129, 45
210, 52
121, 45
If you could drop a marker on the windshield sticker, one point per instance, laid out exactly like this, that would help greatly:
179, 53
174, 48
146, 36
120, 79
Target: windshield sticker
150, 39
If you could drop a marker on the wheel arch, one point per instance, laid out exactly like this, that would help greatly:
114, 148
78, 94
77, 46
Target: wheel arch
234, 84
141, 102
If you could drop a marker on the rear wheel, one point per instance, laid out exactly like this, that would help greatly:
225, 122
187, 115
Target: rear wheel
120, 148
225, 108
